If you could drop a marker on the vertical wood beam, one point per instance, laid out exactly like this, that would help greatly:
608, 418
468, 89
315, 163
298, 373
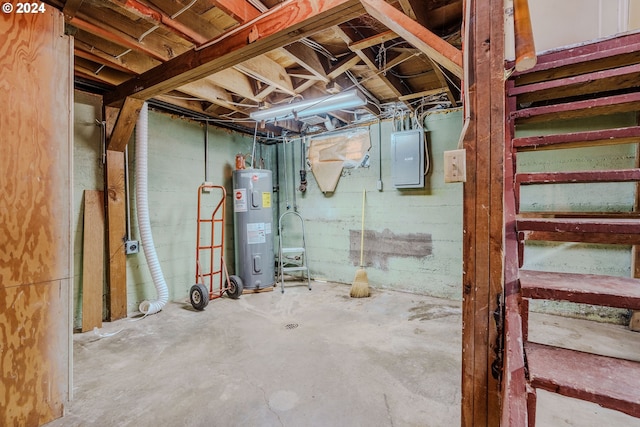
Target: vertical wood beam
92, 259
483, 219
116, 235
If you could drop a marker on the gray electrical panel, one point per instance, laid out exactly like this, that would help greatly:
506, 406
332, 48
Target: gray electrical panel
407, 159
253, 217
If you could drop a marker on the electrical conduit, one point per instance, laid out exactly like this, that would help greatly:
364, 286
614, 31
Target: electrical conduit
142, 203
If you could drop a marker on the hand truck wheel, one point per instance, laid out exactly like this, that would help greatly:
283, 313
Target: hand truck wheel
199, 296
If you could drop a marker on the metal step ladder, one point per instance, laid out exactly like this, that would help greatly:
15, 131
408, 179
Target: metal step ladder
292, 258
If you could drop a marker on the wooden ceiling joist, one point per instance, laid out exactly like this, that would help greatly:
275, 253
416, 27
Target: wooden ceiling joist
240, 10
273, 29
117, 37
210, 92
158, 17
267, 71
236, 82
373, 40
433, 46
307, 58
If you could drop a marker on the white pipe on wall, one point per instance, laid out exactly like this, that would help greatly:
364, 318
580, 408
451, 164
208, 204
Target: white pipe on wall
142, 208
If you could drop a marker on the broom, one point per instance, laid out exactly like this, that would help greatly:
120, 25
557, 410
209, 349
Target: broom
360, 285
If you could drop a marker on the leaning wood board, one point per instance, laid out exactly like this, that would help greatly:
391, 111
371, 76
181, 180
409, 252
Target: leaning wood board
92, 259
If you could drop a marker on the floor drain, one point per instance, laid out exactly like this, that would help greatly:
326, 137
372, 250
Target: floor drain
291, 326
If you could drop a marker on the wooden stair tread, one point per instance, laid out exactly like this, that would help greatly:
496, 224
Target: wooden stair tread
607, 381
615, 231
586, 108
580, 225
582, 84
570, 177
624, 135
611, 291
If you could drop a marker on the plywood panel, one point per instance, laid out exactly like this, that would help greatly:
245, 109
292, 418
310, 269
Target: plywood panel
35, 217
92, 260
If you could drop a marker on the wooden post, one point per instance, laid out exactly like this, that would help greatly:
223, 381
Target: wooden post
116, 235
483, 219
526, 57
92, 259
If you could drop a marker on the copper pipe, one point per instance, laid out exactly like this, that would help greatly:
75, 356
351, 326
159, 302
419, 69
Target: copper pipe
526, 57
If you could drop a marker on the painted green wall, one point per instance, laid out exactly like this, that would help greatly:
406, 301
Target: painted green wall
176, 165
435, 209
176, 170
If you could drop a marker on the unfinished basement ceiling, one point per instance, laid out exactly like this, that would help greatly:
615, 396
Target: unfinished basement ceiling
121, 42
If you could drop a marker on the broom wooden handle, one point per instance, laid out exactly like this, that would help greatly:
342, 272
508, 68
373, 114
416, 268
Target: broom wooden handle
525, 48
364, 192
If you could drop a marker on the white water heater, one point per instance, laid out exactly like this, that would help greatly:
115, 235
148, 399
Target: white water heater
253, 219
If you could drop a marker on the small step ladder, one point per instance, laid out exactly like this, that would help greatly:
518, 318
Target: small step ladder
292, 258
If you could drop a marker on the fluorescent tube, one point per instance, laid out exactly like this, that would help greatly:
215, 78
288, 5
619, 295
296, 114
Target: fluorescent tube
309, 107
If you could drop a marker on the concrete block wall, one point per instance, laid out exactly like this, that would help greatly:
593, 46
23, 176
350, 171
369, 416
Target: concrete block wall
176, 169
423, 226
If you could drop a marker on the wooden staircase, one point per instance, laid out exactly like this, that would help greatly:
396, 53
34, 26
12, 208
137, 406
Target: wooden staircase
587, 81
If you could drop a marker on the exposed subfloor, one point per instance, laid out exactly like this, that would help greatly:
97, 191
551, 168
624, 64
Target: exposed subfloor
303, 358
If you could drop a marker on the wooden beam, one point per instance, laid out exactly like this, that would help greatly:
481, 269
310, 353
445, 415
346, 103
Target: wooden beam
307, 58
208, 91
396, 85
117, 37
407, 8
483, 218
71, 8
240, 10
116, 235
234, 81
429, 43
124, 124
157, 17
288, 22
92, 259
343, 65
443, 81
424, 93
268, 71
373, 40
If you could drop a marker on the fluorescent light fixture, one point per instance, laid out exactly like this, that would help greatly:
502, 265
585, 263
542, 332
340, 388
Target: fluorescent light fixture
309, 107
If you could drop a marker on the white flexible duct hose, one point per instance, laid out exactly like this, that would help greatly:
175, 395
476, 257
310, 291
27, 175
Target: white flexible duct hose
142, 208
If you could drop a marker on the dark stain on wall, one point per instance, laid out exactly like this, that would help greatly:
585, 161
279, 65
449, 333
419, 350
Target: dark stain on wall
380, 246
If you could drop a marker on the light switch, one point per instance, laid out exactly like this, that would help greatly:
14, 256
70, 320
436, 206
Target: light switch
455, 166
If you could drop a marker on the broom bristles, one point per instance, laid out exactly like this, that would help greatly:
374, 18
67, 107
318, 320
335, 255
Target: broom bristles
360, 285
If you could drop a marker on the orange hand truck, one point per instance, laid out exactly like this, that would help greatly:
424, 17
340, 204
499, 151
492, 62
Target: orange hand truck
208, 247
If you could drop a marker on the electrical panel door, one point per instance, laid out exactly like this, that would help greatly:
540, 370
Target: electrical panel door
407, 158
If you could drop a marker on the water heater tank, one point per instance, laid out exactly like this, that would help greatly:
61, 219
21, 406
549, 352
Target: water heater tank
253, 219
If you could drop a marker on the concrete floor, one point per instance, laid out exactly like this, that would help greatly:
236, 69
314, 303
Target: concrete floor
305, 358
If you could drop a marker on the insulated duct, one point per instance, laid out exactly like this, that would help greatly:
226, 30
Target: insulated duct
142, 208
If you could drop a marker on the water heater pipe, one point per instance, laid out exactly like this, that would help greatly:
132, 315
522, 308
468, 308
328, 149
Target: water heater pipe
142, 208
